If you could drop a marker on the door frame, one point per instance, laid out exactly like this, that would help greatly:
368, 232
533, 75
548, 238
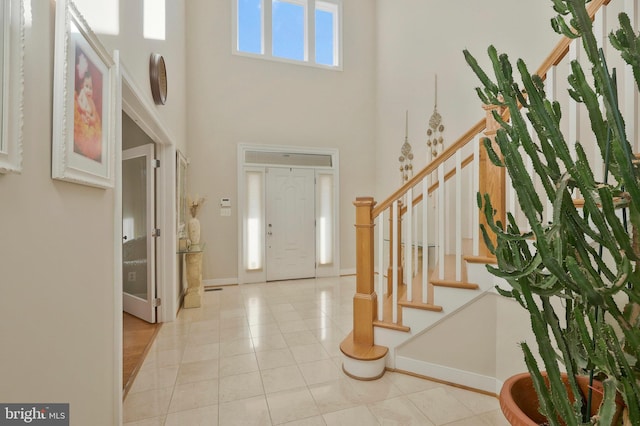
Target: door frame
136, 106
333, 269
132, 100
145, 309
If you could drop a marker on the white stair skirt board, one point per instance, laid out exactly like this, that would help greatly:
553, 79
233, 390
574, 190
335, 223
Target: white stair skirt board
364, 370
392, 339
448, 374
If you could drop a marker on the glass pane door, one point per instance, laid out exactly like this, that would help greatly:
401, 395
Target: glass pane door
138, 269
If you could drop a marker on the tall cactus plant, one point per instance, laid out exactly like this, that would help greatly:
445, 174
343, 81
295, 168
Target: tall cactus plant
577, 275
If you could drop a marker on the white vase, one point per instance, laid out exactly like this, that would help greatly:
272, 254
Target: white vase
194, 232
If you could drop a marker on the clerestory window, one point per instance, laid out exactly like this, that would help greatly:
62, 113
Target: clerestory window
298, 31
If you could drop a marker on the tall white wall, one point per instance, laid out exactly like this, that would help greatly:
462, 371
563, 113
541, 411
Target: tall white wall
417, 39
135, 51
234, 99
56, 263
58, 319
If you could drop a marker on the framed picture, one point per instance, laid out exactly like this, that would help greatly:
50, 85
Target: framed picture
84, 96
12, 84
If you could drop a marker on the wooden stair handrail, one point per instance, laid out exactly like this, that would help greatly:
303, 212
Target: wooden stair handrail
451, 173
554, 58
432, 166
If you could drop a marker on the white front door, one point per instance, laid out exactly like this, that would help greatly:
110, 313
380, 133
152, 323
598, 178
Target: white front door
290, 223
138, 224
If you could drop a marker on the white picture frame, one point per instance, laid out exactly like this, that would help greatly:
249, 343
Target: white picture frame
84, 103
12, 89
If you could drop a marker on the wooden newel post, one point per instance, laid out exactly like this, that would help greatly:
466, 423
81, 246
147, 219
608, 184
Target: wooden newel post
365, 299
492, 178
362, 359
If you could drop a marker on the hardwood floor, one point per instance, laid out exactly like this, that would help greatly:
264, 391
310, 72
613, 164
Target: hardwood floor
137, 337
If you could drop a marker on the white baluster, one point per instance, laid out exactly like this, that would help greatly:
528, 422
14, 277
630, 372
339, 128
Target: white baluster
550, 88
475, 213
528, 166
442, 221
408, 257
394, 279
600, 31
381, 286
425, 239
458, 223
415, 241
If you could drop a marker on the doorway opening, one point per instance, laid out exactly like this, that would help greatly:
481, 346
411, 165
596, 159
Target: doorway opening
288, 210
139, 229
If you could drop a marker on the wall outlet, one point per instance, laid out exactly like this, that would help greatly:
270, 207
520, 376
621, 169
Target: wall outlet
131, 276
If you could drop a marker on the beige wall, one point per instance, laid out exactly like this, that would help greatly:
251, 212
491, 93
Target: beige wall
449, 343
56, 258
513, 327
57, 299
235, 99
417, 39
491, 329
135, 51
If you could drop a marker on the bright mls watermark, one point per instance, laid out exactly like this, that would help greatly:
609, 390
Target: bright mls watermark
34, 414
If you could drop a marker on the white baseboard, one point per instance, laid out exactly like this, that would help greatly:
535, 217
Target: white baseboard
450, 375
348, 271
220, 281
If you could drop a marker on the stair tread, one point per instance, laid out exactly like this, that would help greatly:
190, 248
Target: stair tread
419, 305
480, 259
392, 326
455, 284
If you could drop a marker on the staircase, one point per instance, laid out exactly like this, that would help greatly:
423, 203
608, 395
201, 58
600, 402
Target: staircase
421, 272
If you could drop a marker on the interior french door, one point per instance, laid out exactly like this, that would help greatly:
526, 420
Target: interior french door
138, 224
290, 223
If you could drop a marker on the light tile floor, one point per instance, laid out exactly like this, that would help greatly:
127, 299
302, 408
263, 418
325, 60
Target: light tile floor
268, 354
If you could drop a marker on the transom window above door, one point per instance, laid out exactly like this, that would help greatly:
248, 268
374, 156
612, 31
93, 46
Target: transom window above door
297, 31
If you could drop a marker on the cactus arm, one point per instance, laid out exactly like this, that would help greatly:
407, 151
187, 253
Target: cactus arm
625, 40
546, 404
608, 407
558, 393
630, 386
568, 357
489, 85
588, 97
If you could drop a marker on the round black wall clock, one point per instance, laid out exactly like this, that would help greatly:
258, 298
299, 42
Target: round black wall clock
158, 78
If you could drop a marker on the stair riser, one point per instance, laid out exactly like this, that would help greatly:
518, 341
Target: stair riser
452, 298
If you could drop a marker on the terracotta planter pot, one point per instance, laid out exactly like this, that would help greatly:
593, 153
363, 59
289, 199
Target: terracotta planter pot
519, 401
